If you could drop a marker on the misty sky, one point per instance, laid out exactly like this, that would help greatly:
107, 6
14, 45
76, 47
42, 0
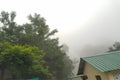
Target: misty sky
88, 27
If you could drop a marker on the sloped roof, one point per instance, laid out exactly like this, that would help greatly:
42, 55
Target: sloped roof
106, 62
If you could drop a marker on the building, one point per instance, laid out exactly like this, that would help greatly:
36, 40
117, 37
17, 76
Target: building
100, 67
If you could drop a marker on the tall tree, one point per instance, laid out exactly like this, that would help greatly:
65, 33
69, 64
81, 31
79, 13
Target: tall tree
37, 33
9, 31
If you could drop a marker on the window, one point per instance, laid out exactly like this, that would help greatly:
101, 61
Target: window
98, 77
117, 76
84, 77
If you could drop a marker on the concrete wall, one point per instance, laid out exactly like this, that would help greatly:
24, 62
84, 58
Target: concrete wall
91, 72
110, 76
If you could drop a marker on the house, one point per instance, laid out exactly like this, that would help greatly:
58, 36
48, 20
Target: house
100, 67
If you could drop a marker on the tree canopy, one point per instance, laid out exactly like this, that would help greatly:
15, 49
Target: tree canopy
115, 47
36, 33
22, 61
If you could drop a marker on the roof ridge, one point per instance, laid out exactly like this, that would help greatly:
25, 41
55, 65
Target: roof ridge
105, 53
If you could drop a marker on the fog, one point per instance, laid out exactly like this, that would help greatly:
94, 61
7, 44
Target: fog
87, 27
97, 34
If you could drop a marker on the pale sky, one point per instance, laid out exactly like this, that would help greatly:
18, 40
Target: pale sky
72, 18
86, 26
60, 14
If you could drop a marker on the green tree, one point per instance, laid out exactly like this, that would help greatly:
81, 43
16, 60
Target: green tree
9, 30
22, 61
37, 33
115, 47
3, 64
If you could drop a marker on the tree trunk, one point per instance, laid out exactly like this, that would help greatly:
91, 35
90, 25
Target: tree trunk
2, 74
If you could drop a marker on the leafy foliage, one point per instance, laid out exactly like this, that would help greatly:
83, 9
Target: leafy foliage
22, 61
37, 33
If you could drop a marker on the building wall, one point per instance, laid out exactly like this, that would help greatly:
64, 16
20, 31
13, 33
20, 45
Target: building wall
110, 76
91, 72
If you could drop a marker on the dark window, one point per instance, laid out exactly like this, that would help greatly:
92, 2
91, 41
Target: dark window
84, 77
98, 77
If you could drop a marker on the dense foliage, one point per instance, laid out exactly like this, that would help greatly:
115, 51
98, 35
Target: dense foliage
36, 33
22, 61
